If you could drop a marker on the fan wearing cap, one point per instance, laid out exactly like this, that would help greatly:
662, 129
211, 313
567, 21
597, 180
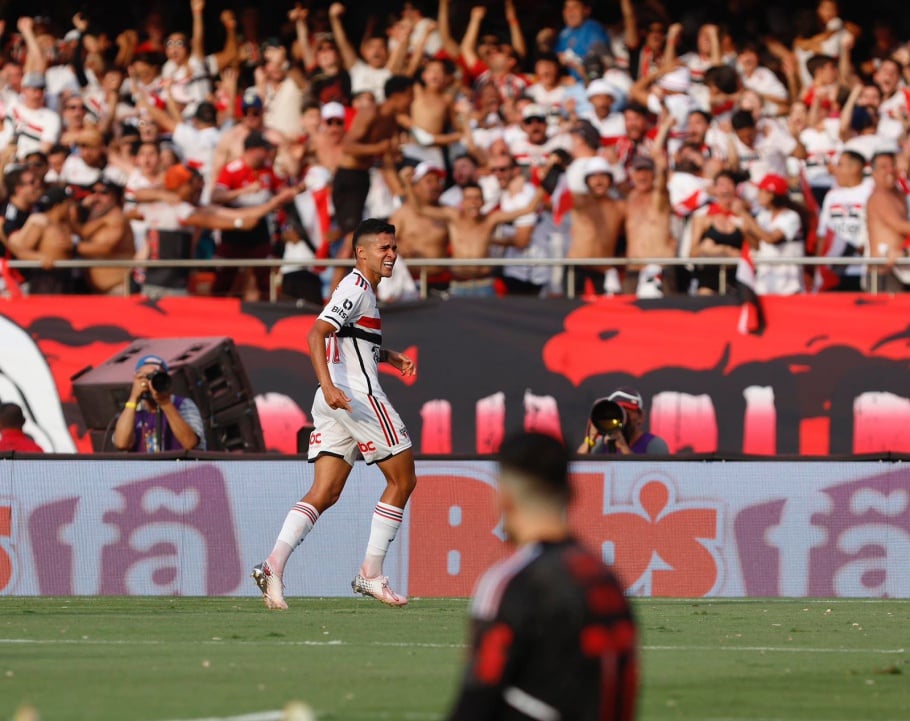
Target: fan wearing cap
153, 419
35, 126
779, 231
418, 235
106, 235
246, 182
47, 236
597, 222
327, 143
230, 143
629, 439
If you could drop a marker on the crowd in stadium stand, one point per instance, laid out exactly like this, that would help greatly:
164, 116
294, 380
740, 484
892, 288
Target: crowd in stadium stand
654, 138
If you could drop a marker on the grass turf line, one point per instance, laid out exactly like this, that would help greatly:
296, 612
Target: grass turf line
162, 659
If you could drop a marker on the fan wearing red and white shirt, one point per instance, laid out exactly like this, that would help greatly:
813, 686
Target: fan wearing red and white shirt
245, 182
35, 127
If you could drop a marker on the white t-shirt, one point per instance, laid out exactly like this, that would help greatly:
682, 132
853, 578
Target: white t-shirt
822, 147
197, 146
366, 77
282, 108
190, 83
76, 172
353, 361
531, 274
611, 128
32, 128
891, 113
136, 181
844, 214
764, 82
780, 279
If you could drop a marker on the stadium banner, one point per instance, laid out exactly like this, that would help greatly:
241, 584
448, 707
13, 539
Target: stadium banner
671, 528
827, 377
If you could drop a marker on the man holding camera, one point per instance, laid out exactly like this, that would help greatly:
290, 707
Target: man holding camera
153, 419
617, 426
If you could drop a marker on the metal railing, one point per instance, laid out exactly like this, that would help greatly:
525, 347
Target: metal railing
424, 264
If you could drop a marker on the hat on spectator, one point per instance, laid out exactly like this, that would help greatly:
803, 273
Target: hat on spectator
628, 398
775, 184
676, 81
425, 168
34, 80
588, 133
596, 165
642, 162
251, 99
255, 139
332, 110
602, 87
55, 195
177, 176
533, 110
151, 360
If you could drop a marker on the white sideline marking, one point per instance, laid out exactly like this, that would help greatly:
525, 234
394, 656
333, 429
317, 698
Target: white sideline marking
278, 715
390, 644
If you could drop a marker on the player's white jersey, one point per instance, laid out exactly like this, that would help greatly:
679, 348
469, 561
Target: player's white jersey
352, 351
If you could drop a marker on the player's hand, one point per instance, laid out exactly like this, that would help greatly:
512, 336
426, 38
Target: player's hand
403, 363
335, 398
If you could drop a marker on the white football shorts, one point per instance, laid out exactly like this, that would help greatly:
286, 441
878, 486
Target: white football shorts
372, 428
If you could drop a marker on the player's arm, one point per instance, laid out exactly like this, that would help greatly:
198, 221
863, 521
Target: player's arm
316, 340
398, 360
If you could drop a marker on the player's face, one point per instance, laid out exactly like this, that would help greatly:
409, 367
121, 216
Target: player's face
379, 254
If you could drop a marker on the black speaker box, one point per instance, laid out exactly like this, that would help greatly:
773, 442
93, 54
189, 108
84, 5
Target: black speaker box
207, 370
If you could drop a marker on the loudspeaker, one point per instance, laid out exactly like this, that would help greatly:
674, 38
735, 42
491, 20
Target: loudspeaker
207, 370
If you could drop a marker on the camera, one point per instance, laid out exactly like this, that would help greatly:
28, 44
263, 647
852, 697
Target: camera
607, 416
160, 381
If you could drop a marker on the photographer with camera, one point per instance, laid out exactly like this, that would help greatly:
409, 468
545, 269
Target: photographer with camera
153, 419
616, 425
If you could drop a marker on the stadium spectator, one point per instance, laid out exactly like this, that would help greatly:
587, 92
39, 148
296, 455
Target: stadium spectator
106, 235
630, 437
779, 229
12, 437
580, 36
420, 236
47, 237
533, 653
155, 420
718, 234
243, 183
598, 220
888, 225
34, 126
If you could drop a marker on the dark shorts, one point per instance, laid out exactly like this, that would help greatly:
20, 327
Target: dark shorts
349, 195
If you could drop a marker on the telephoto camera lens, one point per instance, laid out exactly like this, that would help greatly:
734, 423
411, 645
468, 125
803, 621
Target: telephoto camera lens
160, 382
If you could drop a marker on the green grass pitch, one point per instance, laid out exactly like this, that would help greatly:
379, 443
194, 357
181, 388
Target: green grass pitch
164, 659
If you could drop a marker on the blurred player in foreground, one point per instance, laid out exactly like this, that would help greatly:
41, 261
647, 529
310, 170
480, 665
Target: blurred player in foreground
352, 415
553, 637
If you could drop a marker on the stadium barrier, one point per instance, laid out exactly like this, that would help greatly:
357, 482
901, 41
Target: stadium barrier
195, 525
423, 265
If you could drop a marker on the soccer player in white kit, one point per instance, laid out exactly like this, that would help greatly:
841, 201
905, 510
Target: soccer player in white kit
351, 414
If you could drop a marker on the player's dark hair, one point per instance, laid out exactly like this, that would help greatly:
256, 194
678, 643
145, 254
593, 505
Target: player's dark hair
541, 459
371, 226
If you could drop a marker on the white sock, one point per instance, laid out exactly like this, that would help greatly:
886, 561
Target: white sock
386, 522
298, 523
